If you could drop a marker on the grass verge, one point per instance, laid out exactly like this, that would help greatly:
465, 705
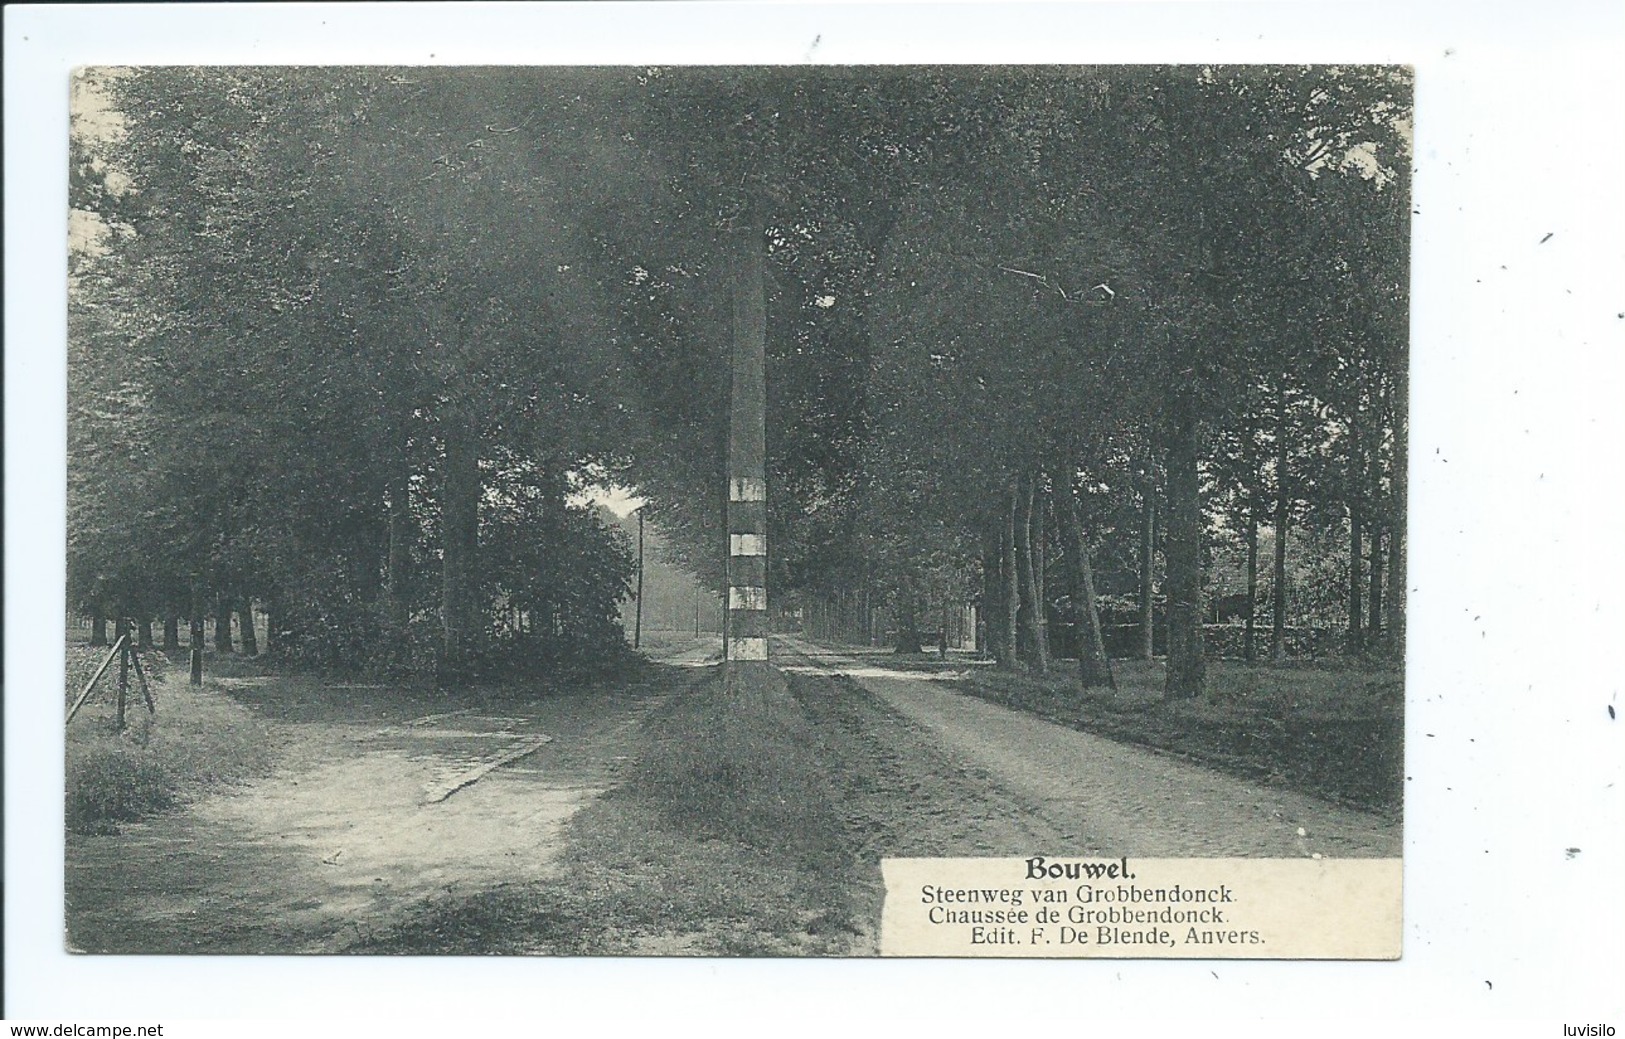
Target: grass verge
1333, 733
723, 840
197, 740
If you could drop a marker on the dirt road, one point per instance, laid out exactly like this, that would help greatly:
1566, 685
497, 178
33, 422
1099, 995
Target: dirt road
380, 800
1071, 792
392, 819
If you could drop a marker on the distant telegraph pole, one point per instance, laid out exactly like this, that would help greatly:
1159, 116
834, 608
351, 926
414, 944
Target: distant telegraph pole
746, 645
637, 624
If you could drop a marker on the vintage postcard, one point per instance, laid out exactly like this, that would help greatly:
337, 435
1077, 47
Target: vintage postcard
823, 511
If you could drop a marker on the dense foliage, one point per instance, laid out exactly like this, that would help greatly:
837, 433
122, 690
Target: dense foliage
349, 344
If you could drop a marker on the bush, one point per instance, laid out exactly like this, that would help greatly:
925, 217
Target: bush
112, 781
199, 739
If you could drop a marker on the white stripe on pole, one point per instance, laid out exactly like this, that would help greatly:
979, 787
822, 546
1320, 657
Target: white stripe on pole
747, 598
747, 488
748, 649
747, 544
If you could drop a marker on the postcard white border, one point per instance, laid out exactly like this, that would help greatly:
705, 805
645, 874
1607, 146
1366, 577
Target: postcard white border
1518, 412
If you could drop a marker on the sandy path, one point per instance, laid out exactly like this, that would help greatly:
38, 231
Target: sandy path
1100, 796
357, 824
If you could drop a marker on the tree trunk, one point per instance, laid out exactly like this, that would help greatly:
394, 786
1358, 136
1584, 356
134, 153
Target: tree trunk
195, 624
1040, 542
1030, 566
1395, 599
399, 552
1187, 658
1282, 517
1094, 669
724, 623
222, 625
245, 626
1148, 553
1012, 591
459, 521
908, 626
1373, 623
143, 638
271, 636
1249, 652
172, 633
989, 643
1356, 582
98, 627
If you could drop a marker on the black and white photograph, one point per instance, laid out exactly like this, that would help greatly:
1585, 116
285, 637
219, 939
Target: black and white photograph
606, 511
818, 516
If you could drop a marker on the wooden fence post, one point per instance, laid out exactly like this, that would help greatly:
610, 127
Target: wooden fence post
85, 694
196, 621
123, 633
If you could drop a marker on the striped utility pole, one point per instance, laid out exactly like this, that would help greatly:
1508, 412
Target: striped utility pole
747, 459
